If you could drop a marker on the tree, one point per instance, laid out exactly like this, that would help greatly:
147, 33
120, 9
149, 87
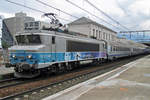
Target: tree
5, 45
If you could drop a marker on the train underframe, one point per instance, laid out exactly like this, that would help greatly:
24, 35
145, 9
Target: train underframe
24, 70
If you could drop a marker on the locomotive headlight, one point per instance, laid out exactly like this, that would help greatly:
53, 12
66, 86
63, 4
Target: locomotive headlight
13, 56
29, 56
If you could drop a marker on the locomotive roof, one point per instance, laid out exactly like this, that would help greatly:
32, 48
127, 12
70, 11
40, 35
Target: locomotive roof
65, 36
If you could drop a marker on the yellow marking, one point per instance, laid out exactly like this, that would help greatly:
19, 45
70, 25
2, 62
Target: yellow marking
123, 89
101, 87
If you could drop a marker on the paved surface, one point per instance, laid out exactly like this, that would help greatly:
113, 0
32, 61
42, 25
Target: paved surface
130, 82
4, 70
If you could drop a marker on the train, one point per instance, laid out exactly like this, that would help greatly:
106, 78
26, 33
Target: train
41, 52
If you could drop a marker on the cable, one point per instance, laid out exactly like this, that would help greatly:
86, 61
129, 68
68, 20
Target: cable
37, 10
91, 13
105, 14
57, 9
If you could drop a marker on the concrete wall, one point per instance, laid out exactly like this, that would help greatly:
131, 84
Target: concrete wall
83, 28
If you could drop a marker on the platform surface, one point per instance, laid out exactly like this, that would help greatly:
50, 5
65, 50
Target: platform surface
4, 70
129, 82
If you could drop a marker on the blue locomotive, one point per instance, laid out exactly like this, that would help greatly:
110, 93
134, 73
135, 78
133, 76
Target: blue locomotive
53, 52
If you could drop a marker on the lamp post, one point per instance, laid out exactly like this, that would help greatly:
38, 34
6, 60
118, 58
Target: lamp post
1, 29
1, 18
1, 55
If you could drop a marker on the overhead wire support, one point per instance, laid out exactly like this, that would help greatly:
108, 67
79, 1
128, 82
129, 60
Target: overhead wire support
56, 9
91, 13
105, 14
37, 10
134, 31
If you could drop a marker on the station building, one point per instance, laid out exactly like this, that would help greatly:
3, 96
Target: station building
92, 29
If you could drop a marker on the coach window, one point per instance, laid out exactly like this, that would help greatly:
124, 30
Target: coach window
36, 23
53, 39
103, 46
114, 48
110, 48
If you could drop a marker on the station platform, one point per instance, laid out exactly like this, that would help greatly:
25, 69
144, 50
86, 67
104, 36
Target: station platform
129, 82
4, 70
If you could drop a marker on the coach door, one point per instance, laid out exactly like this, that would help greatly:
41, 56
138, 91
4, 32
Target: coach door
53, 47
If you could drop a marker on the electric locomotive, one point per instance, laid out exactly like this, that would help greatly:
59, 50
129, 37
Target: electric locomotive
52, 51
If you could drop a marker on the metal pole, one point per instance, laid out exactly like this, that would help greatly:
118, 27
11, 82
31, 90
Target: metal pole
1, 55
143, 34
130, 35
1, 29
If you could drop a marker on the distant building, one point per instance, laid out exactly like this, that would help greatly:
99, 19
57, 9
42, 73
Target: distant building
92, 29
14, 25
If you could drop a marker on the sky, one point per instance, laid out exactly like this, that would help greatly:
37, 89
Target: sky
133, 14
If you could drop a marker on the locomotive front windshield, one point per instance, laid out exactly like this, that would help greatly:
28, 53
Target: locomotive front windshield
28, 39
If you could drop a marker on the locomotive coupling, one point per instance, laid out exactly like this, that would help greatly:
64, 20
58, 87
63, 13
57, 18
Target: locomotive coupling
26, 66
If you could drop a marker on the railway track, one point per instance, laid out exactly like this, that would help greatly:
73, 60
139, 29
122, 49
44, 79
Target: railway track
8, 82
60, 82
12, 83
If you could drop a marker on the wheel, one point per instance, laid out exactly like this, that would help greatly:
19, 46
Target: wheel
69, 66
53, 68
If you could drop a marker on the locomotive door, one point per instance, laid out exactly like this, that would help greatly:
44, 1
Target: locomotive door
53, 47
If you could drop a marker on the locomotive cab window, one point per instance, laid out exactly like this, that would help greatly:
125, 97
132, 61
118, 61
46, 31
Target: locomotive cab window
28, 39
34, 39
21, 39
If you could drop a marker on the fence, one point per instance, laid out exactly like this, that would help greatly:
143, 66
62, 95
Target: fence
4, 56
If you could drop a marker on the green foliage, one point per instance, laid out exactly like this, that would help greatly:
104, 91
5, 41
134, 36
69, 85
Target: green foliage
5, 45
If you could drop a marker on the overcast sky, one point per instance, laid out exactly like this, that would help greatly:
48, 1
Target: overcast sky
134, 14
